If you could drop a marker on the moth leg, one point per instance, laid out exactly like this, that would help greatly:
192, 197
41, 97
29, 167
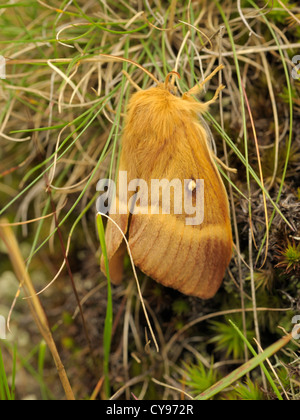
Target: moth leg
220, 88
196, 90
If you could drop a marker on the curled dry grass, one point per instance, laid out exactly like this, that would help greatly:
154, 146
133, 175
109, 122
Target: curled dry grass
61, 116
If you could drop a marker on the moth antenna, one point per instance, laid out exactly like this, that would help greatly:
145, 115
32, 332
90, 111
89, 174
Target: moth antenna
168, 77
198, 88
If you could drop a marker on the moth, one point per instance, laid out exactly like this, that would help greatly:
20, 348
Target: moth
164, 139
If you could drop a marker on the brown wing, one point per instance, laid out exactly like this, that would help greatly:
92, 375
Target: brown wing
186, 258
115, 246
191, 259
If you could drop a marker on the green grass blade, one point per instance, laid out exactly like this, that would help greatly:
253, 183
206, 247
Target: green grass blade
14, 372
41, 366
4, 387
109, 310
244, 369
251, 348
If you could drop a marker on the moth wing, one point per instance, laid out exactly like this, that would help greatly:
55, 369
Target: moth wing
162, 139
191, 259
115, 246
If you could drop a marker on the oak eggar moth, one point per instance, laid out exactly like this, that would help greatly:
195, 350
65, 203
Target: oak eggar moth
163, 139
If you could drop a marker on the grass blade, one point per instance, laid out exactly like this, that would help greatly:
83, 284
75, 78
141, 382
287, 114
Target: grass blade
244, 369
34, 303
4, 387
109, 311
251, 348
